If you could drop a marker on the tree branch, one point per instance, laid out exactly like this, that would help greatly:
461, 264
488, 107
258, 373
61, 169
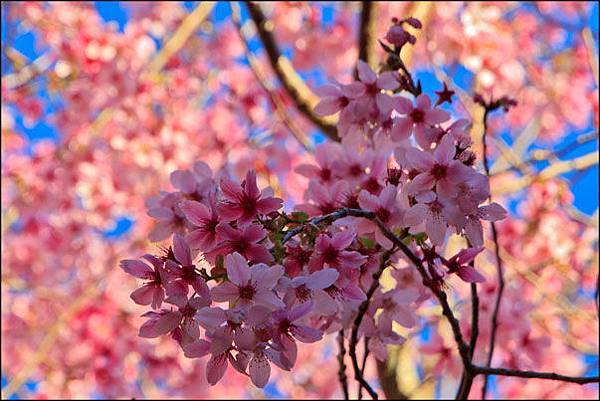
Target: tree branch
342, 371
527, 374
304, 99
467, 378
276, 99
362, 310
366, 33
499, 267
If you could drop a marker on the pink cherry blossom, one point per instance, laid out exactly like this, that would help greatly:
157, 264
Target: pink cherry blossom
152, 292
248, 286
244, 202
419, 118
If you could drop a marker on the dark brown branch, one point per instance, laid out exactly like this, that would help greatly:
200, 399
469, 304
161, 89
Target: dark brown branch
367, 33
389, 385
499, 267
362, 310
301, 95
276, 99
342, 371
466, 381
364, 364
526, 374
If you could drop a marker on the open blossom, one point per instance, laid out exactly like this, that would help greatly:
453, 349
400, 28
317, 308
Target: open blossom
434, 215
336, 97
326, 157
331, 251
311, 288
183, 273
205, 220
247, 286
244, 240
439, 169
152, 292
243, 202
459, 264
418, 118
170, 218
373, 98
386, 208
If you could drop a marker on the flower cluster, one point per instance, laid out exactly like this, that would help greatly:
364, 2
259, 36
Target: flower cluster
243, 280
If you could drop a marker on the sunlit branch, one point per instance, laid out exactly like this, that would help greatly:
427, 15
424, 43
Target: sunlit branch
304, 99
276, 99
367, 40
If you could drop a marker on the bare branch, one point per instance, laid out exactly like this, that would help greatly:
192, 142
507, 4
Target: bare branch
276, 99
535, 375
362, 310
304, 99
367, 40
342, 371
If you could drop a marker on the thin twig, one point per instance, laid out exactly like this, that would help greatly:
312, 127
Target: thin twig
527, 374
362, 310
364, 363
342, 371
499, 267
467, 378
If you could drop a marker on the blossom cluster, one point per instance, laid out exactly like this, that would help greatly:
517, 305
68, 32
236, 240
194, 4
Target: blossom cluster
240, 284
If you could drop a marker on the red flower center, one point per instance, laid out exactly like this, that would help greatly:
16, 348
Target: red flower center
330, 255
417, 115
439, 171
247, 292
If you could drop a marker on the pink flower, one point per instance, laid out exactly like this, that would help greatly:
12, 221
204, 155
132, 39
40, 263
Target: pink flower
380, 336
473, 228
385, 208
180, 322
325, 155
152, 292
244, 240
311, 288
435, 214
297, 257
204, 237
170, 218
183, 274
373, 100
459, 264
287, 325
420, 117
248, 286
243, 202
336, 97
439, 169
396, 306
326, 198
331, 251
